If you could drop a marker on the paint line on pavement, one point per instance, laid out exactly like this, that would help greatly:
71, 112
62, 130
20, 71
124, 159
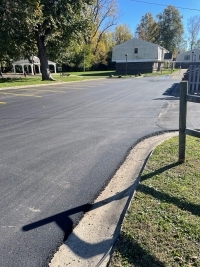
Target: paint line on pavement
74, 88
2, 103
38, 90
2, 93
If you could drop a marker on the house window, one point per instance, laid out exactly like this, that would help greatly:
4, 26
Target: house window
187, 57
136, 50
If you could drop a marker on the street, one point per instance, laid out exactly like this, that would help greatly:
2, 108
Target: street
60, 145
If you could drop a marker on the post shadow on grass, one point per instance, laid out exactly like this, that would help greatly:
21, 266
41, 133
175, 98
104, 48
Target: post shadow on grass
193, 208
135, 254
159, 171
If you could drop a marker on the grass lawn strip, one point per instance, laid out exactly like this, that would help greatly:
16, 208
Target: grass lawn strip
20, 80
162, 225
36, 80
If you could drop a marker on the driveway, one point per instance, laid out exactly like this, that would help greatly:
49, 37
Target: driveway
60, 146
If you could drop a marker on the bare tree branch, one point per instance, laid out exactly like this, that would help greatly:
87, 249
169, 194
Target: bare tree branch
193, 27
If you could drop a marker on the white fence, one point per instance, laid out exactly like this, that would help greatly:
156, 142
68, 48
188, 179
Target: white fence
194, 79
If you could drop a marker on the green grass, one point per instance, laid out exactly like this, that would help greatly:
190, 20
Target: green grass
162, 225
20, 80
159, 73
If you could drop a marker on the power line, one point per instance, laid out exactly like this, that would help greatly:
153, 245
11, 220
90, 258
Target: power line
165, 5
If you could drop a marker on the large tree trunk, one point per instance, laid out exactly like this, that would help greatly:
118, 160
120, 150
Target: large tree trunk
42, 51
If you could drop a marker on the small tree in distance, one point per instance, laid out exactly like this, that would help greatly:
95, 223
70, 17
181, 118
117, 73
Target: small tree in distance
193, 27
147, 29
121, 34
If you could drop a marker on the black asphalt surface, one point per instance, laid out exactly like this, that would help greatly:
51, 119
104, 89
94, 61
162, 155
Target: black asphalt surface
60, 145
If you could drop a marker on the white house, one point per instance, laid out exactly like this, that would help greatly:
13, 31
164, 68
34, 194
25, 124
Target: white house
31, 66
191, 57
135, 56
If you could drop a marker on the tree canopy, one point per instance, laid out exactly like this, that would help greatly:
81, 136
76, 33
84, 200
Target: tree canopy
147, 29
82, 33
193, 27
42, 25
170, 28
122, 34
167, 30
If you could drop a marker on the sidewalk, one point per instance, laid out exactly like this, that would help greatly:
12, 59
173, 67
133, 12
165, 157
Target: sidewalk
91, 242
179, 74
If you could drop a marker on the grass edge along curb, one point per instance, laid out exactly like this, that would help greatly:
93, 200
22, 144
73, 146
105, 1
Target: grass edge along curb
162, 226
19, 79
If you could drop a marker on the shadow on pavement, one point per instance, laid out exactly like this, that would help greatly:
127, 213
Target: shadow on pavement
87, 250
167, 98
174, 90
81, 248
66, 224
61, 219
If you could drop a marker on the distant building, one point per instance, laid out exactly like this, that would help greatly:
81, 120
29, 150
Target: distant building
137, 56
32, 67
191, 57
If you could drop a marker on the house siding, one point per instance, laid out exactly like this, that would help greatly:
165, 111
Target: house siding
183, 61
134, 67
146, 51
142, 57
185, 65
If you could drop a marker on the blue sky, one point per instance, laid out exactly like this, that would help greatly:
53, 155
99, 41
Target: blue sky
132, 11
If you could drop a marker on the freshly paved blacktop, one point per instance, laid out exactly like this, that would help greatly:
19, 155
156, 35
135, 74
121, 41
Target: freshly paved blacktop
92, 241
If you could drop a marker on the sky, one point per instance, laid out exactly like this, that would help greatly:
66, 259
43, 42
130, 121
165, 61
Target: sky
131, 11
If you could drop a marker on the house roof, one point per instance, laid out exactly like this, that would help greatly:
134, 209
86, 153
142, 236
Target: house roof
190, 51
139, 42
35, 59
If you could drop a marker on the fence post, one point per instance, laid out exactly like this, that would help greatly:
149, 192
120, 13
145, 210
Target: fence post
182, 120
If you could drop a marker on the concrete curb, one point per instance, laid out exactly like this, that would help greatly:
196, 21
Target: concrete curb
91, 242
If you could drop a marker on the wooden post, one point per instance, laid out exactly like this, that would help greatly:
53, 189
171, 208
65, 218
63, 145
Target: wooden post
182, 120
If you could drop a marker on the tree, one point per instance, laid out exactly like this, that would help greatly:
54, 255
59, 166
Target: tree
183, 45
101, 15
193, 27
104, 15
197, 44
171, 28
12, 33
45, 24
147, 30
54, 24
122, 34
